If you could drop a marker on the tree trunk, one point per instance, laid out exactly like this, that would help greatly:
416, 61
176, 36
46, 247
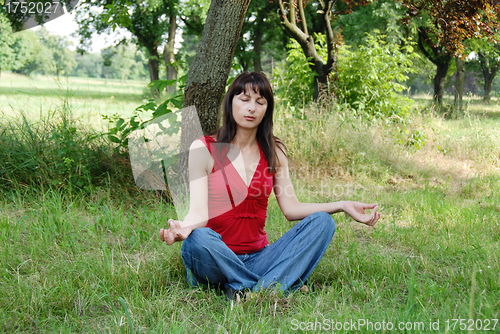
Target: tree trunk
306, 41
489, 73
257, 44
439, 80
440, 57
168, 51
208, 73
320, 84
459, 84
153, 65
206, 83
487, 88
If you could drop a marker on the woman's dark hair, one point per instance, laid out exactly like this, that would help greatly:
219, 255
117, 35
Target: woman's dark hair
267, 141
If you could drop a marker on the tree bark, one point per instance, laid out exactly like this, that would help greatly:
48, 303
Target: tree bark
459, 84
440, 57
168, 51
306, 41
208, 73
207, 77
257, 43
489, 72
153, 64
440, 79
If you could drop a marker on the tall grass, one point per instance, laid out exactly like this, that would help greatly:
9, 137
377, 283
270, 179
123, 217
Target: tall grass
57, 151
93, 262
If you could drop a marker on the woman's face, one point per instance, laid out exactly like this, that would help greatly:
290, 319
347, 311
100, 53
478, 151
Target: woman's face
249, 108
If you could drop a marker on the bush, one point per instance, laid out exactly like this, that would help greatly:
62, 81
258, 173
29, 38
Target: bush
293, 81
367, 82
370, 77
56, 153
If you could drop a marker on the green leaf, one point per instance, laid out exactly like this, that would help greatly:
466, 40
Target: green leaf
178, 101
147, 106
161, 110
114, 139
133, 122
120, 122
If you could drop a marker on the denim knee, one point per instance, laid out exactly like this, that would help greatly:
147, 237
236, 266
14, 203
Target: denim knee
324, 223
197, 240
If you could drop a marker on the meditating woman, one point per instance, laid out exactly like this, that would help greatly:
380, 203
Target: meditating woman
224, 242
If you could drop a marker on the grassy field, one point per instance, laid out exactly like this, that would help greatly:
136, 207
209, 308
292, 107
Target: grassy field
93, 262
88, 98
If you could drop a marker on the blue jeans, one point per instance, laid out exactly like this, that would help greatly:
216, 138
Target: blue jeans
285, 265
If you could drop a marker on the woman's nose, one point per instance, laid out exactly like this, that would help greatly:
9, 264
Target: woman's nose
251, 106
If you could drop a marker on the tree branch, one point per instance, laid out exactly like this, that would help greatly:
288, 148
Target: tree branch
303, 17
421, 39
291, 10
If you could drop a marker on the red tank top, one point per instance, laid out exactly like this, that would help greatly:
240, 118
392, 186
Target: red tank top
237, 212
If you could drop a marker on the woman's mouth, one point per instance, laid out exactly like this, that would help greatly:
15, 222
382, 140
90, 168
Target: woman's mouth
249, 118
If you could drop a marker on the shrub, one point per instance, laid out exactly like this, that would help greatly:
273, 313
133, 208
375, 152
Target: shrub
370, 77
56, 152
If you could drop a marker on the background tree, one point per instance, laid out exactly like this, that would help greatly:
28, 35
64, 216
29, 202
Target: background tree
301, 24
193, 15
62, 58
262, 37
88, 65
6, 40
443, 26
383, 15
30, 55
148, 22
488, 58
295, 24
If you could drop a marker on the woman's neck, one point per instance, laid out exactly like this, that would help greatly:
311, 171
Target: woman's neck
245, 139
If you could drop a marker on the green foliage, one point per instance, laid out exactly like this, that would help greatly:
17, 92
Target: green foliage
52, 153
31, 56
293, 81
121, 127
123, 61
6, 40
62, 58
381, 15
370, 77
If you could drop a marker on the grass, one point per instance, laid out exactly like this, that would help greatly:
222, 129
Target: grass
92, 261
89, 98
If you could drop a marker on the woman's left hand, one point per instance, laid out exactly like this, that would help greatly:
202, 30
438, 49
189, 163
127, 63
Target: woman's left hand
357, 211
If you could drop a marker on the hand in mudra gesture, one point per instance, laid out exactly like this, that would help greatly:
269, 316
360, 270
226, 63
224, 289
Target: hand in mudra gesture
357, 211
174, 233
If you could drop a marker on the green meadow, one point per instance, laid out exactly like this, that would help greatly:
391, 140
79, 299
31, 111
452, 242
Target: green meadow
86, 257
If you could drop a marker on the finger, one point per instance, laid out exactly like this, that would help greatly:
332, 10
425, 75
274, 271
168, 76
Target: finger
161, 235
369, 206
169, 239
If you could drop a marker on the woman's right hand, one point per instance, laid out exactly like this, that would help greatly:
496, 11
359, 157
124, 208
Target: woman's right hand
174, 233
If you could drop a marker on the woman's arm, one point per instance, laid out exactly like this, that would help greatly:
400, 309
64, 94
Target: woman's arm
197, 216
295, 210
